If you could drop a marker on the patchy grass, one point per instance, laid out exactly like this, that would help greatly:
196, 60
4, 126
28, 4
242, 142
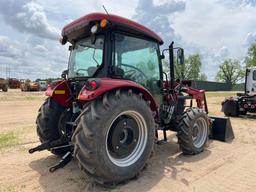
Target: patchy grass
20, 98
17, 95
7, 139
18, 138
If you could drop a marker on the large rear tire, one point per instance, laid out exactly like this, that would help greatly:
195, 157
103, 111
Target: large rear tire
193, 131
115, 137
49, 123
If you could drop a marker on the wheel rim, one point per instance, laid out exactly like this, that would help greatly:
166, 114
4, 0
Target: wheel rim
126, 138
199, 132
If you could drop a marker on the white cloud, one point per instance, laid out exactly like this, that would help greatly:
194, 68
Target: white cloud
222, 54
219, 27
40, 48
27, 16
8, 48
156, 16
250, 38
26, 61
216, 29
241, 3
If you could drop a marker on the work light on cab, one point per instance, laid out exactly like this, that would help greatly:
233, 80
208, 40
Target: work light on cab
103, 23
94, 29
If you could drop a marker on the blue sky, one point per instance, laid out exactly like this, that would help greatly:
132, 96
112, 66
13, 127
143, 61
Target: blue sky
216, 29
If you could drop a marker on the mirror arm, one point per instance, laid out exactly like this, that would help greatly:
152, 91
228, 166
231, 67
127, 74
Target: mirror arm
64, 74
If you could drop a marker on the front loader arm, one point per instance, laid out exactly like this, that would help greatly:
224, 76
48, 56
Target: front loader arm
198, 95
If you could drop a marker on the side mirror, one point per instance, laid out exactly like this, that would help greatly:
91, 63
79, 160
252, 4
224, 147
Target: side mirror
64, 74
180, 56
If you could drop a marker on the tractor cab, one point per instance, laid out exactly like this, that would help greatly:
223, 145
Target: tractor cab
109, 46
250, 81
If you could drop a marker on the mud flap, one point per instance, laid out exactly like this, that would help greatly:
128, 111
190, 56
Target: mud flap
221, 129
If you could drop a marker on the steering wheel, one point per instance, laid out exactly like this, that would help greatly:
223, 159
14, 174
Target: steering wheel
77, 71
90, 71
135, 70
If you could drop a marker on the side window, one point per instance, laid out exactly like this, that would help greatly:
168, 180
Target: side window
138, 59
254, 75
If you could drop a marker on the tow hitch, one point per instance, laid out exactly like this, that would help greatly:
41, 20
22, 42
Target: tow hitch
64, 161
56, 144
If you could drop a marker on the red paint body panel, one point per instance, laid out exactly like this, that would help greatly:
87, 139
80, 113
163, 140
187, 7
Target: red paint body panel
85, 20
60, 92
198, 95
107, 84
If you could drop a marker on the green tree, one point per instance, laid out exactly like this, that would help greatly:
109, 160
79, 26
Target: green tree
230, 71
203, 77
250, 59
191, 69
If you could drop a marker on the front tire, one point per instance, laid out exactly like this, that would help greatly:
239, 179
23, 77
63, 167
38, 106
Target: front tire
193, 131
115, 137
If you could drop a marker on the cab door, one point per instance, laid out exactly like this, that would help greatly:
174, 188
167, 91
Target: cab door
139, 61
251, 81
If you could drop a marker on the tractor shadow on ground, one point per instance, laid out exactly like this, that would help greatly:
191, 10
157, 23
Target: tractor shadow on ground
69, 178
166, 161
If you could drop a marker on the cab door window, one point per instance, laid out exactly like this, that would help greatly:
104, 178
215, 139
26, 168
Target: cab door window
138, 59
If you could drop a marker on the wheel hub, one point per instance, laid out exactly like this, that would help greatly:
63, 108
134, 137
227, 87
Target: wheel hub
195, 131
126, 138
123, 137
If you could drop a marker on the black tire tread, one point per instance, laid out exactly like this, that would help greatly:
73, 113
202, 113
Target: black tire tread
85, 135
47, 123
184, 136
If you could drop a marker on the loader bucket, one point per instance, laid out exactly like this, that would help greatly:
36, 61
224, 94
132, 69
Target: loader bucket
222, 129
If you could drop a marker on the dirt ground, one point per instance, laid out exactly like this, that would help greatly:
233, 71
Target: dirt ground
222, 167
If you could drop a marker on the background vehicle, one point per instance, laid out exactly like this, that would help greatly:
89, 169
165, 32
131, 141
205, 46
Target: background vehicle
243, 103
3, 85
28, 85
14, 83
115, 97
43, 85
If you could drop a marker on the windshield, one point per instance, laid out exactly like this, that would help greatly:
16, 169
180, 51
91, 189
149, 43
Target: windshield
86, 57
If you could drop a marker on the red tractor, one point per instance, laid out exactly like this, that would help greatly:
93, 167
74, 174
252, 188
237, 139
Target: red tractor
113, 99
14, 83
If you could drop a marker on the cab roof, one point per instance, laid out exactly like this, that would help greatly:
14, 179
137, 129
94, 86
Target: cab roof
121, 22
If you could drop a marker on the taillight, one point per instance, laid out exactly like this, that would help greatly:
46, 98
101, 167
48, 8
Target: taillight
93, 84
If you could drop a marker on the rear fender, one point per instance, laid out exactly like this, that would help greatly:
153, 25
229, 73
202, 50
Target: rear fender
60, 92
107, 84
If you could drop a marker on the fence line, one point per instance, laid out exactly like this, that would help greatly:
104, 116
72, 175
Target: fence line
216, 86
